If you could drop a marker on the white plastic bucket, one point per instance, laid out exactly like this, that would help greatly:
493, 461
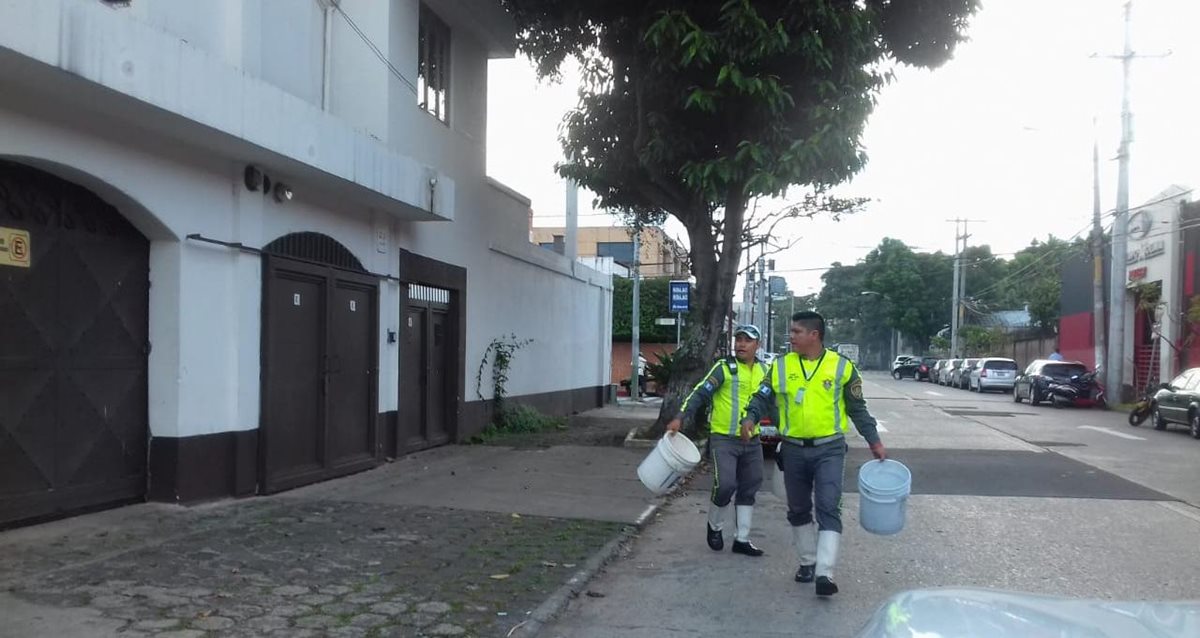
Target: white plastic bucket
673, 457
883, 488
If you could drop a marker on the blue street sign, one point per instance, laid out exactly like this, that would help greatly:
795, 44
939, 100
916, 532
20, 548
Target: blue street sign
681, 296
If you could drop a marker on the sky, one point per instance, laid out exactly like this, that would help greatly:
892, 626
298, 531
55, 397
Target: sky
1002, 133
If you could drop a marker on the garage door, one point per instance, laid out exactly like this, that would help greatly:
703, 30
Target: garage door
74, 297
320, 351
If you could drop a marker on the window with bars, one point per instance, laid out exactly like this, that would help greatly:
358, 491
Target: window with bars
433, 65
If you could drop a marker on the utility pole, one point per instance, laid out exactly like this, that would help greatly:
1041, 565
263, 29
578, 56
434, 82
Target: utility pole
1116, 301
764, 290
1120, 228
636, 325
955, 293
960, 281
1097, 260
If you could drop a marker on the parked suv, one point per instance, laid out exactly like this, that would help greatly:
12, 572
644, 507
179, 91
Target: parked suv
994, 373
1033, 383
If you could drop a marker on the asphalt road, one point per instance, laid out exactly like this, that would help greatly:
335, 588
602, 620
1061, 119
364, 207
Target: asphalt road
1006, 496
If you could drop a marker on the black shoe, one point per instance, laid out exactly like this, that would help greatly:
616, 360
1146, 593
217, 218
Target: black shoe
746, 548
806, 573
825, 586
716, 540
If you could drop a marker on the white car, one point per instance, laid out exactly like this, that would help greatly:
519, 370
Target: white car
994, 373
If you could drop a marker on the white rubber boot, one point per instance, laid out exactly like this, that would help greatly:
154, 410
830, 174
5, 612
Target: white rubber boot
745, 517
827, 553
717, 516
804, 538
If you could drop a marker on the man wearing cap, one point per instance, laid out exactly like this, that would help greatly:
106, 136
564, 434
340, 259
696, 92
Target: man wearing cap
817, 391
737, 456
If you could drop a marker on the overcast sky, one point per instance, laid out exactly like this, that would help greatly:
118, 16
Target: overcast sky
1002, 133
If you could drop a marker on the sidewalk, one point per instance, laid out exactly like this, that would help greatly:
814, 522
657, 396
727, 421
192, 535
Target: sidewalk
457, 541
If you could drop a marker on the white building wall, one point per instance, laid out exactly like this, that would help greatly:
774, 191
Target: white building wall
360, 174
1162, 241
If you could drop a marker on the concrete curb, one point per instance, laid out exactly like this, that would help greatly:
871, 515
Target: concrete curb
549, 610
632, 441
558, 601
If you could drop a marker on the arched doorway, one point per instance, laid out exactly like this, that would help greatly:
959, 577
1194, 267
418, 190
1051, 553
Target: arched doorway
320, 362
74, 325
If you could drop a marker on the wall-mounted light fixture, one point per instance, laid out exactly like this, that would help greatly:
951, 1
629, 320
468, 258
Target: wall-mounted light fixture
253, 177
283, 192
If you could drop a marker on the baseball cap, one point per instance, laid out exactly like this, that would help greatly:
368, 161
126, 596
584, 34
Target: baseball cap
748, 330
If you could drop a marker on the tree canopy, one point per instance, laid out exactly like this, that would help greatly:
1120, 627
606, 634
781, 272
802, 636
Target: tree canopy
694, 109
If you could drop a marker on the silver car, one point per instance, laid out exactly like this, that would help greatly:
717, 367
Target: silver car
994, 373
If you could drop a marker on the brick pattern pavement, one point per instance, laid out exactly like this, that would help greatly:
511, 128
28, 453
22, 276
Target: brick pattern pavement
280, 567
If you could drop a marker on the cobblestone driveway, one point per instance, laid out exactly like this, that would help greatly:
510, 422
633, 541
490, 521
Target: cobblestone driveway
303, 568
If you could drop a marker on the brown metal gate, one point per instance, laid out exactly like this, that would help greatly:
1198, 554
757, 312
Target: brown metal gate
320, 355
426, 369
73, 349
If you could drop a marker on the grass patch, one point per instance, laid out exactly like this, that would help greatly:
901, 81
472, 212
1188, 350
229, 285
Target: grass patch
519, 419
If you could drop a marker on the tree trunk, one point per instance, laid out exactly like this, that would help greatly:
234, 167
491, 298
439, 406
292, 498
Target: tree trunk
716, 276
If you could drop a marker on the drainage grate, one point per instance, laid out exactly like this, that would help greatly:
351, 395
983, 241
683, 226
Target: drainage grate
1056, 444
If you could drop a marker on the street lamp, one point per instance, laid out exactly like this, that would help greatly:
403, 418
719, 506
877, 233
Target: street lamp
895, 340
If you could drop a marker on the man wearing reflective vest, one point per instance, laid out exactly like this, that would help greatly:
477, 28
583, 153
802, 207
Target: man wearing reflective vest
737, 456
817, 392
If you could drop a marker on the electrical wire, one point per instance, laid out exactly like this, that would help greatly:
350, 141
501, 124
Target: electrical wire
371, 45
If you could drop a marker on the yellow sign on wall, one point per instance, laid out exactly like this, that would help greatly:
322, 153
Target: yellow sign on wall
14, 247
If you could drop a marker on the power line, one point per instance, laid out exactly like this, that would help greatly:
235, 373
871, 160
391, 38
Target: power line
378, 53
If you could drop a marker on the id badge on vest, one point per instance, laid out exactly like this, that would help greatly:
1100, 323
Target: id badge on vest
799, 398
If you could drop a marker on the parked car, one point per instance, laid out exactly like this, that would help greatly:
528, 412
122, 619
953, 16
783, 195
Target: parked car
962, 380
1179, 402
948, 371
1032, 384
935, 372
925, 368
905, 367
993, 373
900, 360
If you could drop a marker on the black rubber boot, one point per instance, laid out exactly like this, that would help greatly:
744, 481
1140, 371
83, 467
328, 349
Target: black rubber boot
826, 586
746, 549
716, 540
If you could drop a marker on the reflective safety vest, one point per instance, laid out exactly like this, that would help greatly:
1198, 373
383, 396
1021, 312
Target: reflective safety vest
809, 395
731, 398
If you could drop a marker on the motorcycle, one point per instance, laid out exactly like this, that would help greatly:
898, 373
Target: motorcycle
1142, 409
1082, 390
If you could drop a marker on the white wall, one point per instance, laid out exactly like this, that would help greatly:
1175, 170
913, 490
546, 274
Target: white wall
291, 45
1165, 268
205, 301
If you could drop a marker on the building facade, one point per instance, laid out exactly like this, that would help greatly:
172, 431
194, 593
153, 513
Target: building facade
248, 245
1160, 283
660, 255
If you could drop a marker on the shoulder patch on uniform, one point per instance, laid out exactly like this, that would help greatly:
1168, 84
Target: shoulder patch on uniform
856, 389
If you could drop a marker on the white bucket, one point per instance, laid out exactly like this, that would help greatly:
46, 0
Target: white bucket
778, 486
883, 488
673, 457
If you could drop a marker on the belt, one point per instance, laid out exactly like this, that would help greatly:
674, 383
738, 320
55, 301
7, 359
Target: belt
815, 442
716, 435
